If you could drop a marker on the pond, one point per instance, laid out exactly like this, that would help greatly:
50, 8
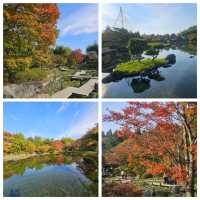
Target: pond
49, 176
177, 81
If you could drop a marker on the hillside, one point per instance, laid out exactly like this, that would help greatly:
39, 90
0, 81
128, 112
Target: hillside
88, 142
190, 34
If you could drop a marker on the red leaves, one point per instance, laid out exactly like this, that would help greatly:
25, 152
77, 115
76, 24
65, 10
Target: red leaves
164, 127
159, 147
178, 173
77, 56
57, 145
154, 168
113, 116
120, 134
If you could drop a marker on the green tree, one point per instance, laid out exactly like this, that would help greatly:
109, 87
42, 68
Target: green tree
136, 47
30, 147
93, 47
152, 52
61, 55
67, 141
18, 143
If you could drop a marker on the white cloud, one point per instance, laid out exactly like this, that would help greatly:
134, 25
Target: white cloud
80, 126
84, 20
62, 108
109, 13
13, 117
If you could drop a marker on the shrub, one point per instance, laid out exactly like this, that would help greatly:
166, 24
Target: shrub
121, 190
33, 74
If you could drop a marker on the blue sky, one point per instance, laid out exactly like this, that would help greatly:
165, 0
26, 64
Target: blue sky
115, 106
50, 119
152, 18
78, 25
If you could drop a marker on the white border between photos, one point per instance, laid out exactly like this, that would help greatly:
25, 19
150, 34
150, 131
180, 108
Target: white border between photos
99, 100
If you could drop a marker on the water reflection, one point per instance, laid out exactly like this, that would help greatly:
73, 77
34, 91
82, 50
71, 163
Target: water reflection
37, 163
189, 48
168, 81
51, 175
156, 76
140, 84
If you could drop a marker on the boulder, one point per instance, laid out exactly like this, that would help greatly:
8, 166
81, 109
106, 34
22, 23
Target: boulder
21, 90
171, 59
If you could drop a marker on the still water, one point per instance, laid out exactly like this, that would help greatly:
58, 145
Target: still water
49, 176
176, 81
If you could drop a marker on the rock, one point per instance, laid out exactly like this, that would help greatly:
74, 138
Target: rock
171, 59
21, 90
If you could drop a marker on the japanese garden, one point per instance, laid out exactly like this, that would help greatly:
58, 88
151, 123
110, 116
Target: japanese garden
45, 56
150, 149
147, 62
40, 165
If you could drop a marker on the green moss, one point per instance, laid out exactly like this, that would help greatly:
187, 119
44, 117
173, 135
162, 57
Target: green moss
136, 66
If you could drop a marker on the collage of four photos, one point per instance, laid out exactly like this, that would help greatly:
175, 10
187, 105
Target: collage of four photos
94, 109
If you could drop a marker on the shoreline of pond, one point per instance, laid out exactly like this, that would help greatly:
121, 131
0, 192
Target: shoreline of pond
14, 157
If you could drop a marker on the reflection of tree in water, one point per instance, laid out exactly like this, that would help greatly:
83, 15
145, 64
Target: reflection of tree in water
156, 76
38, 162
189, 48
140, 84
89, 166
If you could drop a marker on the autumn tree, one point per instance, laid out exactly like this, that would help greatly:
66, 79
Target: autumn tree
161, 139
30, 146
67, 141
76, 57
57, 145
29, 32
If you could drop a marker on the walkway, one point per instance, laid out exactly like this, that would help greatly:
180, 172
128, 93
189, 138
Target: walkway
84, 90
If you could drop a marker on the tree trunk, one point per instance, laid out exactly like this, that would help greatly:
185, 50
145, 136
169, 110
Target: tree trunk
189, 162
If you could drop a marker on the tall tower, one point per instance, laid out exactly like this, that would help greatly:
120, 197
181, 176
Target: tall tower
120, 20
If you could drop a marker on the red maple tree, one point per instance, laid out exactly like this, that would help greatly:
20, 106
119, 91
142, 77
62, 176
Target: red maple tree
161, 139
57, 145
77, 56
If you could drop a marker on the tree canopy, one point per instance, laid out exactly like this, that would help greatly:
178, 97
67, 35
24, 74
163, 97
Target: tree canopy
161, 139
29, 32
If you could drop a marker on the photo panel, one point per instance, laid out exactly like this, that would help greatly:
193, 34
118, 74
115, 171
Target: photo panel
149, 50
50, 149
149, 149
50, 50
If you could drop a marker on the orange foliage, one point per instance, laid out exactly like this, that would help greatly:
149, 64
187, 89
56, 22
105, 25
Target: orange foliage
153, 135
57, 145
77, 56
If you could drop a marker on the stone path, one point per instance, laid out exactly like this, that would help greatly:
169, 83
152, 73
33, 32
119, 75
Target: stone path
84, 90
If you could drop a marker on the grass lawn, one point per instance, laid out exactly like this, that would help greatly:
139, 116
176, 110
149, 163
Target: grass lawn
158, 44
135, 66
